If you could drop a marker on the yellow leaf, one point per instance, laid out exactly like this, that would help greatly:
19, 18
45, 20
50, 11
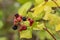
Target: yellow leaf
58, 2
51, 4
53, 19
46, 17
40, 26
47, 9
38, 9
26, 33
58, 27
39, 1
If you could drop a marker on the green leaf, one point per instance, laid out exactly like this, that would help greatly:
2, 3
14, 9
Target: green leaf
30, 15
24, 8
38, 26
51, 28
58, 12
57, 36
41, 34
47, 34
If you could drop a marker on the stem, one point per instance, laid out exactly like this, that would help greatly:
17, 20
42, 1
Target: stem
18, 31
44, 4
55, 3
49, 31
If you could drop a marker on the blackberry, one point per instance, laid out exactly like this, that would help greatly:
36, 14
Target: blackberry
24, 18
15, 27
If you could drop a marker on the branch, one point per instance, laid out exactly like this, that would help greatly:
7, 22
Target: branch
56, 3
49, 31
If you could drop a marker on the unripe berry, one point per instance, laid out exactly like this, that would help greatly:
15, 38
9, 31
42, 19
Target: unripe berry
15, 21
19, 19
31, 22
29, 19
16, 15
20, 16
23, 27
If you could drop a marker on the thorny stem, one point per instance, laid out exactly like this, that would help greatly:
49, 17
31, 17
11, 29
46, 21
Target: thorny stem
49, 32
55, 3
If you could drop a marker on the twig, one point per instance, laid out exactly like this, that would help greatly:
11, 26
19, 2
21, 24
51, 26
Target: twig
55, 3
49, 31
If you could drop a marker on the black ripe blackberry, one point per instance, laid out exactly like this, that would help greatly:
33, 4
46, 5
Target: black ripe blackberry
24, 18
15, 27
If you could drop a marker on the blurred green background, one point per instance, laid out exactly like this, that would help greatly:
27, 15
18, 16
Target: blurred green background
7, 10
